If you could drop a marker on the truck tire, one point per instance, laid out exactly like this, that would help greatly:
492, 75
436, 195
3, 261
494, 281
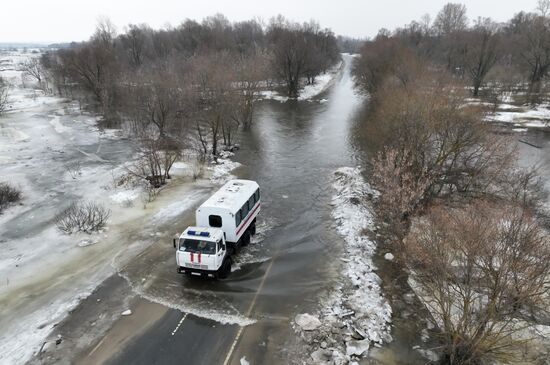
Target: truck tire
225, 269
253, 227
245, 239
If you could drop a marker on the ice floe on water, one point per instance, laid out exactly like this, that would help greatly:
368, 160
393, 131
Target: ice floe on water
356, 315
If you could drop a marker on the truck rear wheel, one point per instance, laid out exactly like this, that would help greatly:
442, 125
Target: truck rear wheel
225, 269
253, 227
245, 239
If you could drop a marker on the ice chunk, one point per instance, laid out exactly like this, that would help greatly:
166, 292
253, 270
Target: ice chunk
357, 348
307, 322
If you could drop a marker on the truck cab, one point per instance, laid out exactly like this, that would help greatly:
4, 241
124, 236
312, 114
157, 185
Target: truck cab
203, 251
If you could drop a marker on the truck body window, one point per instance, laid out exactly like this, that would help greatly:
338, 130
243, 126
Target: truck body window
238, 218
215, 221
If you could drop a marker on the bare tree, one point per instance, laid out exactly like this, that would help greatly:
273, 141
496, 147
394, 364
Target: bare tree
251, 73
385, 60
451, 19
157, 158
154, 99
483, 273
134, 40
94, 65
435, 148
289, 54
33, 68
215, 84
156, 104
543, 6
533, 46
300, 51
483, 51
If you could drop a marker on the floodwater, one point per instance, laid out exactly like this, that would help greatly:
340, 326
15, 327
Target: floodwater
292, 150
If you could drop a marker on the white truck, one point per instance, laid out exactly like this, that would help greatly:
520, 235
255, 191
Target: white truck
224, 223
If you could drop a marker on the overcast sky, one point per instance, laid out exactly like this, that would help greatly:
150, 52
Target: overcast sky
74, 20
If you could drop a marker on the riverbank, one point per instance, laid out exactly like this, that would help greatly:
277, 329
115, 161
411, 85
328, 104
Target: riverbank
310, 91
55, 154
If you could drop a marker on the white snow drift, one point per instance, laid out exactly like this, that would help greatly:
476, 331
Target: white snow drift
356, 315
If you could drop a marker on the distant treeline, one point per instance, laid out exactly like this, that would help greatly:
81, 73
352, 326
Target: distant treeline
285, 52
514, 55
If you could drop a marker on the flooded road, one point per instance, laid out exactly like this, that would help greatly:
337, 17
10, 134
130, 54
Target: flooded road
292, 150
292, 265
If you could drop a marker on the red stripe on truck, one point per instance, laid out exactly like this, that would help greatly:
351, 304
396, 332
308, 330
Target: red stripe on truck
191, 253
247, 219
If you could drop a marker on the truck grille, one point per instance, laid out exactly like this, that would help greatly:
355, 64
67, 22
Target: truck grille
196, 266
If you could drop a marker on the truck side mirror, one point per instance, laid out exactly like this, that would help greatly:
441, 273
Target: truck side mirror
175, 239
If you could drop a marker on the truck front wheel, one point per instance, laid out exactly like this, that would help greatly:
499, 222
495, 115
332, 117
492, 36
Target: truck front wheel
225, 269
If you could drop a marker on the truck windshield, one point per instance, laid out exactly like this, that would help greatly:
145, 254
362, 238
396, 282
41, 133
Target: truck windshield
205, 247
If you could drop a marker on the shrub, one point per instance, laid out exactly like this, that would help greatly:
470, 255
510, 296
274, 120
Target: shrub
85, 217
8, 195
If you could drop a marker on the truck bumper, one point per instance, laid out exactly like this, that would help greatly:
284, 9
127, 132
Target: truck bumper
198, 272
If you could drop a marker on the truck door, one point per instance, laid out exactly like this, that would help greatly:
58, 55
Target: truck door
221, 251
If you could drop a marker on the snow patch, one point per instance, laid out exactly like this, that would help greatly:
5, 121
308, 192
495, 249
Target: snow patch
13, 134
180, 165
221, 171
522, 117
308, 92
180, 206
244, 361
125, 196
56, 124
356, 313
322, 83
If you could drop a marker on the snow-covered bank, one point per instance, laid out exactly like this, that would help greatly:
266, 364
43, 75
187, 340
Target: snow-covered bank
308, 92
356, 315
518, 116
521, 116
55, 154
